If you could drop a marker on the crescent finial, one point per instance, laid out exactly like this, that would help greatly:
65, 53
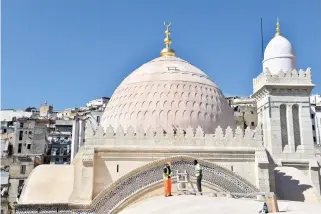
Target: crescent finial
167, 25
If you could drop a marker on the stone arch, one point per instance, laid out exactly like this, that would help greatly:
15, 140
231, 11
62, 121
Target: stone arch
126, 189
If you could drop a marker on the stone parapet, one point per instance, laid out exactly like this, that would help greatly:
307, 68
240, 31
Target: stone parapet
294, 77
189, 137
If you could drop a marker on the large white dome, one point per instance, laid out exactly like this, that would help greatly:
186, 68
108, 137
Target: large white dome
168, 92
279, 54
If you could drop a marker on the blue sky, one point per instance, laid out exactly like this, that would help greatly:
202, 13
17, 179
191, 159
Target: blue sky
71, 51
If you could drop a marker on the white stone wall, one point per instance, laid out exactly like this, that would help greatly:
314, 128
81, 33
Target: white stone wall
193, 142
110, 163
316, 123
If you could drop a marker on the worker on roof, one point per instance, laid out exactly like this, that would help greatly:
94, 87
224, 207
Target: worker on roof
167, 179
199, 176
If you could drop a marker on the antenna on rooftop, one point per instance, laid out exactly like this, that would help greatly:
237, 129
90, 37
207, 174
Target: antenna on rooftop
262, 38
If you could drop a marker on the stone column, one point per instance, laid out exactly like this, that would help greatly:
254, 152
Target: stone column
81, 133
275, 130
307, 145
75, 138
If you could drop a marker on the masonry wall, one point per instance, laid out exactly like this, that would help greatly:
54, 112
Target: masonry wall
110, 166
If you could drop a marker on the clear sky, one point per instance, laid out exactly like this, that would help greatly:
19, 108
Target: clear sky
71, 51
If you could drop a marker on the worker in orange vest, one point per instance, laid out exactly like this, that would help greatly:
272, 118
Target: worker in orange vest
167, 179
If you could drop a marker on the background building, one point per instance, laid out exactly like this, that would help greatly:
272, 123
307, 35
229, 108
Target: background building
244, 111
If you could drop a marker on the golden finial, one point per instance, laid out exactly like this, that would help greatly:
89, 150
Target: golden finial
167, 51
278, 31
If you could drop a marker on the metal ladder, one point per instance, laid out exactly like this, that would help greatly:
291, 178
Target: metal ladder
182, 183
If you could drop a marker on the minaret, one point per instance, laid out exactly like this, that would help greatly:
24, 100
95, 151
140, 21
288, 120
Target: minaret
167, 51
282, 94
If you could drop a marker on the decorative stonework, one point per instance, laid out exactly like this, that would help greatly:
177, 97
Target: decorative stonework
178, 137
154, 96
293, 77
116, 194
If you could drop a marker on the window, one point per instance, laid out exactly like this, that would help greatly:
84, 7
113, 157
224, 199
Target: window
26, 132
64, 159
117, 168
312, 116
19, 147
57, 160
252, 123
98, 119
313, 127
23, 169
30, 132
252, 112
20, 135
4, 130
21, 125
314, 139
28, 146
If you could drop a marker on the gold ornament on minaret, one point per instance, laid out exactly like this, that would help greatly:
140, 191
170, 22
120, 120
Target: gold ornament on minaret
278, 30
167, 51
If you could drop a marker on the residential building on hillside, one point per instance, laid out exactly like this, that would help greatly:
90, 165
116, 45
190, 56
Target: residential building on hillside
98, 103
11, 115
244, 111
59, 142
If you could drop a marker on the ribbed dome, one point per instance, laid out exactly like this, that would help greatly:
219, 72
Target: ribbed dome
279, 55
168, 92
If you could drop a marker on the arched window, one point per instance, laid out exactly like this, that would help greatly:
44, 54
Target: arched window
296, 125
284, 128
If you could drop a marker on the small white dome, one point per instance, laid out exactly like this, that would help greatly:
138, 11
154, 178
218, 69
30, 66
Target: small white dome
279, 55
168, 92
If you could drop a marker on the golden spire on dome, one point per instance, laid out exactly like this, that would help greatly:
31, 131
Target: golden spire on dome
278, 31
167, 51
